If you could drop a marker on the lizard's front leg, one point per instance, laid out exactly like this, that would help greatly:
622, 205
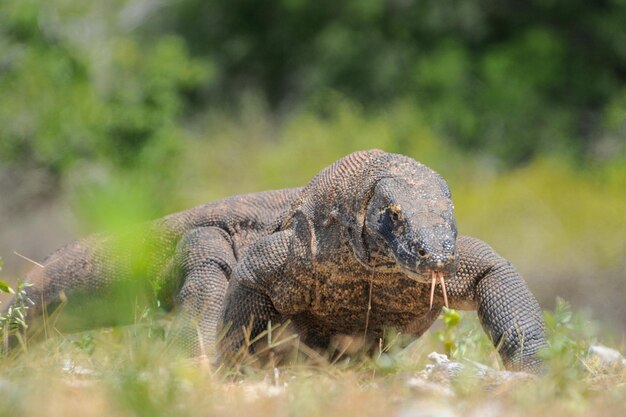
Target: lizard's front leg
260, 291
506, 308
205, 259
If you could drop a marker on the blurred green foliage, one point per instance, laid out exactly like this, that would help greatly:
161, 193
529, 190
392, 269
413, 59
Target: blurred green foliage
114, 82
78, 91
510, 78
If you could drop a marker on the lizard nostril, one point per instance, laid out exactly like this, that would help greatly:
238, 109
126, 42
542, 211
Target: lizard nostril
422, 252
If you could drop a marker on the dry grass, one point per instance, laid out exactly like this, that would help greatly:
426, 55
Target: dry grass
133, 371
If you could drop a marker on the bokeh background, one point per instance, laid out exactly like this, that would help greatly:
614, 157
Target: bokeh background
117, 111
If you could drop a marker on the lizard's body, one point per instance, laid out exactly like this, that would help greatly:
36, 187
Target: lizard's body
350, 253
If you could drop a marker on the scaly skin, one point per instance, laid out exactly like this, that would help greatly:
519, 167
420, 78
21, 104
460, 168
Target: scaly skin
372, 223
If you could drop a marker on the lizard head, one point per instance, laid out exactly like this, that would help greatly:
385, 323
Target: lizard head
410, 224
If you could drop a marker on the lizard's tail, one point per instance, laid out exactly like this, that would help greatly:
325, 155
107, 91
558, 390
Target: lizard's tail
91, 279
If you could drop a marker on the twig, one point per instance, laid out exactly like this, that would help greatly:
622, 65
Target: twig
369, 308
28, 259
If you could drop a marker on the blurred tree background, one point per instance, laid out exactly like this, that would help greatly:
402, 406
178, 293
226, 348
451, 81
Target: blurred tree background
117, 111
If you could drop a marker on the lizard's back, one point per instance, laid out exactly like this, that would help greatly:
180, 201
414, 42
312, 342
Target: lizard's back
244, 217
91, 265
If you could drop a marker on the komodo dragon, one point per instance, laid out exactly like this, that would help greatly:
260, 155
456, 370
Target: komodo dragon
370, 242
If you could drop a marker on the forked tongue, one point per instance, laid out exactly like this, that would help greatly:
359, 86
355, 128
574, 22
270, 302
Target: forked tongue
438, 276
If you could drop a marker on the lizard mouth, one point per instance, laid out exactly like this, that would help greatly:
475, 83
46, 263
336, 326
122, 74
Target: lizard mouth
436, 277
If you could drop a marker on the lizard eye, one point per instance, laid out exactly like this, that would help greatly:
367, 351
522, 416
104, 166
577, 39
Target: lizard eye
395, 217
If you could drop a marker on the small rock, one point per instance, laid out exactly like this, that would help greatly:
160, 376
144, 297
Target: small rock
606, 357
70, 367
443, 371
443, 367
